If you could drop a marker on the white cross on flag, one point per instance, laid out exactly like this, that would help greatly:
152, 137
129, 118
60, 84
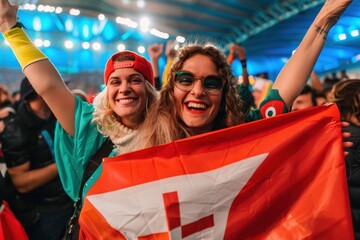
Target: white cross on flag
253, 181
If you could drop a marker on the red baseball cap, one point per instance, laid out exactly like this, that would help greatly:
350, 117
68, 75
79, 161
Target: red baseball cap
140, 64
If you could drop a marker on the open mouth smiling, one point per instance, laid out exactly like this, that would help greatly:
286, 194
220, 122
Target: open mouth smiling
196, 106
125, 100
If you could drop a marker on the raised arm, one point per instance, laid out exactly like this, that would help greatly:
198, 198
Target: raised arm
39, 70
296, 71
239, 51
155, 51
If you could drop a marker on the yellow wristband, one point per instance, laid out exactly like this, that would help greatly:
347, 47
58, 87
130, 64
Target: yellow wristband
25, 51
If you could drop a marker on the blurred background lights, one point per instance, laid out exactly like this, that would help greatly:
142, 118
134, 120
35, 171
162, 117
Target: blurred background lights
69, 44
101, 17
180, 39
96, 46
141, 49
37, 23
38, 42
74, 12
159, 34
140, 3
342, 36
121, 47
41, 8
86, 45
58, 10
354, 33
144, 24
46, 43
69, 25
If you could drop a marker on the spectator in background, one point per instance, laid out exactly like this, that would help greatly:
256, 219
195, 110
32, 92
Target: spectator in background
260, 89
248, 102
155, 51
306, 99
16, 96
33, 188
170, 52
320, 99
5, 97
7, 109
343, 75
334, 77
346, 95
328, 85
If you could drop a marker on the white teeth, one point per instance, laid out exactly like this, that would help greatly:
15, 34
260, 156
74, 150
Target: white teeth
196, 105
127, 100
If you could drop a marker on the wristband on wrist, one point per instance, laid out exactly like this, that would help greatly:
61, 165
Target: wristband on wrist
243, 63
25, 51
18, 25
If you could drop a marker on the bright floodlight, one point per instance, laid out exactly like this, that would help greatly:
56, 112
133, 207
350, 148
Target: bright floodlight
96, 46
86, 45
141, 49
121, 47
69, 44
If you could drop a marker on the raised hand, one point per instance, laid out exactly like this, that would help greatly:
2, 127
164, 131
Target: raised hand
155, 51
8, 15
237, 51
169, 49
330, 13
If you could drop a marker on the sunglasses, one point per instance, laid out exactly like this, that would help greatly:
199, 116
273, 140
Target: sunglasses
211, 84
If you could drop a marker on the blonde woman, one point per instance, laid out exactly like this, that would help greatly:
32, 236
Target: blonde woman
82, 128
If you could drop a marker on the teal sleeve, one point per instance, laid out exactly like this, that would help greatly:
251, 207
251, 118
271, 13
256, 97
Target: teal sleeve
73, 153
271, 106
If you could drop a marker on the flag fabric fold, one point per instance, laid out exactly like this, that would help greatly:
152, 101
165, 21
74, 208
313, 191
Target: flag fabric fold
277, 178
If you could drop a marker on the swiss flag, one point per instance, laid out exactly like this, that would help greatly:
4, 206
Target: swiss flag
277, 178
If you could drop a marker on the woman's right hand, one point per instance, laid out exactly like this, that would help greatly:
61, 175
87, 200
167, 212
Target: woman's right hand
8, 15
330, 14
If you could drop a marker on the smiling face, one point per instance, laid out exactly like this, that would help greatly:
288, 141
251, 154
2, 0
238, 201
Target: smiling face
127, 95
196, 108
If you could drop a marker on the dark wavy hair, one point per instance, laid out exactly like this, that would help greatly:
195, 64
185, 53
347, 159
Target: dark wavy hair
346, 94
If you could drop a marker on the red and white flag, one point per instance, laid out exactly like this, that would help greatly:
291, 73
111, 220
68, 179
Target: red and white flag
277, 178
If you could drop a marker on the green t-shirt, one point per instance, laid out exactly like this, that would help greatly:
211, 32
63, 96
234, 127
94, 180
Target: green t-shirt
73, 153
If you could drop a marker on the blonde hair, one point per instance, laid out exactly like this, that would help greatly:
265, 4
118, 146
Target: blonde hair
163, 123
346, 95
106, 119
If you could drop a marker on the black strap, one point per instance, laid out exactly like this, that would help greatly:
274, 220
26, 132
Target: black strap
94, 163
